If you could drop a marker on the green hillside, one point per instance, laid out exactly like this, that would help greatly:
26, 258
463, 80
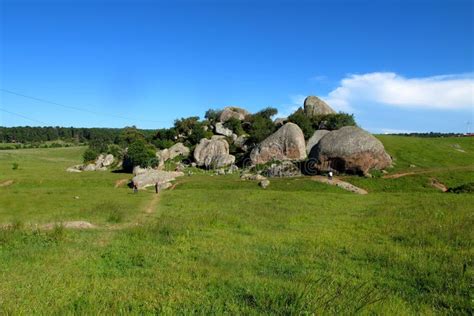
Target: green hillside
217, 244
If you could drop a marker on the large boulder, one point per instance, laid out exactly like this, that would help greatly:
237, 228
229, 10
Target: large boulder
213, 153
285, 144
314, 140
222, 130
282, 170
174, 151
108, 160
232, 111
151, 176
350, 149
315, 106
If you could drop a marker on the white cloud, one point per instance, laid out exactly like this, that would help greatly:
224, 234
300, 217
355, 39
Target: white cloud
447, 92
296, 101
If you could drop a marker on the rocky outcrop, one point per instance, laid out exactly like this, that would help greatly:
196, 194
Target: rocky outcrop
315, 106
314, 140
232, 112
213, 153
222, 130
285, 144
174, 151
282, 170
240, 141
349, 149
151, 176
100, 164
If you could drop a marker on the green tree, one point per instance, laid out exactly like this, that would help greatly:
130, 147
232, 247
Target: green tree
139, 153
89, 155
130, 135
235, 125
303, 121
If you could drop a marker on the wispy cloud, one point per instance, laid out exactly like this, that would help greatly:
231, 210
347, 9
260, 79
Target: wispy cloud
446, 92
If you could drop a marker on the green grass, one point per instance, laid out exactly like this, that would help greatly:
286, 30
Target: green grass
216, 244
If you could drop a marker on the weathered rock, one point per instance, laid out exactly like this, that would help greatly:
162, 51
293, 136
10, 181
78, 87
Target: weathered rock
232, 169
240, 141
314, 140
174, 151
264, 183
283, 169
217, 137
76, 168
222, 130
89, 167
213, 153
150, 177
315, 106
108, 160
232, 111
285, 144
350, 149
139, 170
251, 176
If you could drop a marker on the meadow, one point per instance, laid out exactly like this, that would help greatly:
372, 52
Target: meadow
217, 244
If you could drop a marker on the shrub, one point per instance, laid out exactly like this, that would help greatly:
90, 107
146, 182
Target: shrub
303, 121
89, 155
235, 125
464, 188
15, 166
334, 121
139, 154
212, 115
115, 150
259, 128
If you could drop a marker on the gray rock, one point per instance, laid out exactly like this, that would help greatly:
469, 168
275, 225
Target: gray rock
76, 168
282, 170
89, 167
349, 149
220, 172
213, 153
264, 183
174, 151
222, 130
232, 111
108, 160
150, 177
315, 106
314, 140
285, 144
240, 141
139, 170
233, 169
251, 176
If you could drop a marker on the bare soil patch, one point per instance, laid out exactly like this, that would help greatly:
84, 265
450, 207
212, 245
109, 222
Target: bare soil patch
339, 183
6, 183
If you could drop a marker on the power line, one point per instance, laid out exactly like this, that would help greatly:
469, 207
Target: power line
78, 108
23, 116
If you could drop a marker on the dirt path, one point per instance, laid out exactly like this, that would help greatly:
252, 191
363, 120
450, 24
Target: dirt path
151, 207
339, 183
404, 174
6, 183
121, 182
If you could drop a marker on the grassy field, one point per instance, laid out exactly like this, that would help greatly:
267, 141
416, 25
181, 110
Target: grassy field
216, 244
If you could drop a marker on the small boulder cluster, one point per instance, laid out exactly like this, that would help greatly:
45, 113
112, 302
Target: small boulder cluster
102, 163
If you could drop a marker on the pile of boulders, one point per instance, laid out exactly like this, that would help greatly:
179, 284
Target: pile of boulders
102, 163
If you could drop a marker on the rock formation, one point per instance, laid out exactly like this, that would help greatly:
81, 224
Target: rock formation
350, 149
232, 111
213, 153
287, 143
314, 140
315, 106
151, 176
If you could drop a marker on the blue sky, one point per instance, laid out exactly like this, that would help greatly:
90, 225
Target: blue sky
397, 65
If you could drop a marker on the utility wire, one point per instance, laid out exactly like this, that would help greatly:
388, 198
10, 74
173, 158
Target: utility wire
78, 108
21, 115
